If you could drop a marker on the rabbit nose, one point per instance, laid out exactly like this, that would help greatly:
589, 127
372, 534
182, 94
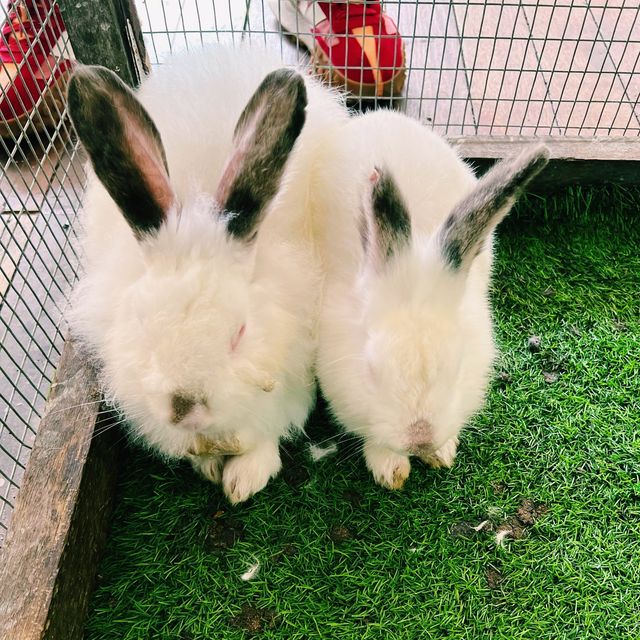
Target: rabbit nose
181, 406
420, 438
188, 412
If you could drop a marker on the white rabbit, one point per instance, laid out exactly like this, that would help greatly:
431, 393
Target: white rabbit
406, 345
201, 293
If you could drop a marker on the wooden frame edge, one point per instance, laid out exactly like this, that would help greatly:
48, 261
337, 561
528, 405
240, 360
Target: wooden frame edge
106, 32
61, 518
573, 160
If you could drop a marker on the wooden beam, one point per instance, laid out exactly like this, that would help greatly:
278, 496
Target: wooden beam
61, 517
102, 32
561, 147
573, 160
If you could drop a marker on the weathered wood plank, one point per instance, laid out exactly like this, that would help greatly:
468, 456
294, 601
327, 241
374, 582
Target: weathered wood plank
564, 172
60, 521
573, 161
605, 149
98, 34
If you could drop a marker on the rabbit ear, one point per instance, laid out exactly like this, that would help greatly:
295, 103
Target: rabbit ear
387, 225
123, 144
465, 230
264, 136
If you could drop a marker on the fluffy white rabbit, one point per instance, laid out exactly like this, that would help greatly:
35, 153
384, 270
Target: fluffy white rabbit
406, 345
201, 289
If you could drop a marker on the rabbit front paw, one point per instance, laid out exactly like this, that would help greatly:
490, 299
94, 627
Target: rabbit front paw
210, 467
389, 469
248, 473
444, 457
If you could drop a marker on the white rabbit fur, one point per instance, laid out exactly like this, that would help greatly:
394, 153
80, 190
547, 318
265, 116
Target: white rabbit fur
159, 314
406, 347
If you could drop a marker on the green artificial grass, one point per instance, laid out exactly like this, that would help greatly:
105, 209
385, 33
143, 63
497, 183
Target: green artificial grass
342, 558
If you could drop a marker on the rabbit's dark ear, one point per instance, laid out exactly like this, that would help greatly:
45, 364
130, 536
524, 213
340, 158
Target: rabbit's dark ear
124, 146
264, 136
386, 223
467, 227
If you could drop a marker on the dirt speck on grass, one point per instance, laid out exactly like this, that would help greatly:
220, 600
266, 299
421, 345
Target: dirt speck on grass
529, 511
340, 534
216, 506
223, 534
498, 487
254, 619
510, 528
467, 530
494, 577
534, 344
550, 377
352, 497
288, 551
515, 527
295, 475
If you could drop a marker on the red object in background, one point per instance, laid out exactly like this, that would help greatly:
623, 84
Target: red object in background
361, 43
353, 44
32, 79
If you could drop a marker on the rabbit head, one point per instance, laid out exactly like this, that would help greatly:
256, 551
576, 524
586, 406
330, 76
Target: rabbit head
426, 343
185, 352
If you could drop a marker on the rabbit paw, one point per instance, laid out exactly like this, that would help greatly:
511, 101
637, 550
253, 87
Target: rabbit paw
445, 456
248, 473
389, 469
210, 467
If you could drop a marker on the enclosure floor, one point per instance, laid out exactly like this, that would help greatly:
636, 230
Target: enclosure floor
543, 67
551, 461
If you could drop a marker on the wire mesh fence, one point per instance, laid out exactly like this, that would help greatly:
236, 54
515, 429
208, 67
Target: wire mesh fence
40, 187
473, 68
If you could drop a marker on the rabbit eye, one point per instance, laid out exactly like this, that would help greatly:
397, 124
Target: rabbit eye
236, 339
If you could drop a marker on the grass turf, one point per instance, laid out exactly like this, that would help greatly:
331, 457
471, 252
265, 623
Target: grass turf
341, 558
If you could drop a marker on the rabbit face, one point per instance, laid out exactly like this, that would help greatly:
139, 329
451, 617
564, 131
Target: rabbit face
413, 364
181, 339
188, 349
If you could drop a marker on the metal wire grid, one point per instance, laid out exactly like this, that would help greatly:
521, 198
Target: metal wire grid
474, 67
40, 190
